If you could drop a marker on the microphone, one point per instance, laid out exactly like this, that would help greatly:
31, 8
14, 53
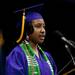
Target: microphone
71, 43
64, 38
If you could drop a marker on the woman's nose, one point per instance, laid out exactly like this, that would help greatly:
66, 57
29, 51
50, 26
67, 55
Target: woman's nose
42, 29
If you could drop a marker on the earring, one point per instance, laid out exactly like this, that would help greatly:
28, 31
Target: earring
27, 37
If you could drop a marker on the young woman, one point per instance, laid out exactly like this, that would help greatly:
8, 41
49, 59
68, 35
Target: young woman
28, 58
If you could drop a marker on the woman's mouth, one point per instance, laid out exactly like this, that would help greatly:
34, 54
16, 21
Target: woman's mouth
42, 37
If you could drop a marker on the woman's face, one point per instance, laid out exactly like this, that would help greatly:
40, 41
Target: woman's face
39, 32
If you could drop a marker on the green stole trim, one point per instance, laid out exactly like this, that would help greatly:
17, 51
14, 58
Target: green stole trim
33, 66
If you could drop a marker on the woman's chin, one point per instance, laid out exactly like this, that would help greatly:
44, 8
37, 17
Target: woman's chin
41, 40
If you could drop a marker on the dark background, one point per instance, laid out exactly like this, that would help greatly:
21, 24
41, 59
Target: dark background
58, 15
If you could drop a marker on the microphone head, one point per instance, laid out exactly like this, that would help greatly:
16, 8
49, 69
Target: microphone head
59, 33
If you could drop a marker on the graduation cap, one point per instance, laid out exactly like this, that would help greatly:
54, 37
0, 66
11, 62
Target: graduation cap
30, 16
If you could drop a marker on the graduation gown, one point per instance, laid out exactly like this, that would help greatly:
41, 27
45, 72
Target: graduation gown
16, 63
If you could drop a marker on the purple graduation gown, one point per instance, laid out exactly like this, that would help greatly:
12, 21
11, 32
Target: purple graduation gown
16, 63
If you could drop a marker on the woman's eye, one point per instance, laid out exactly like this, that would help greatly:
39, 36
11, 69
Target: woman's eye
44, 26
40, 25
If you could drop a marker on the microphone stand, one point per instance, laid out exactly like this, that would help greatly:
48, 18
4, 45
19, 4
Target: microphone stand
68, 50
72, 59
68, 43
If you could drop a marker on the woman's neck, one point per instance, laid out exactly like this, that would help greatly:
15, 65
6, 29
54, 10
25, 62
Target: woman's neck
33, 45
35, 49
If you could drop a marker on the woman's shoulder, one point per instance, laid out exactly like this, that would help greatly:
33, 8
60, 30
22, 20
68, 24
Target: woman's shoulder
50, 57
16, 52
48, 54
